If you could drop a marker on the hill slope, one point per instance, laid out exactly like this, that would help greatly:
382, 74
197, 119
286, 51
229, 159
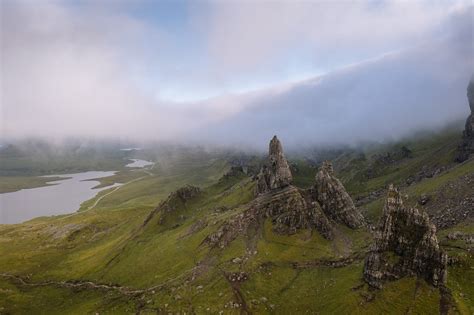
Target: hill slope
118, 258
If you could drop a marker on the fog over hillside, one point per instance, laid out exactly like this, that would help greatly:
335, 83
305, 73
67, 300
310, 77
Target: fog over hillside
386, 98
98, 73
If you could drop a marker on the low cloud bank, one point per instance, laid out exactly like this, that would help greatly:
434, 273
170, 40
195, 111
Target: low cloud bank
65, 74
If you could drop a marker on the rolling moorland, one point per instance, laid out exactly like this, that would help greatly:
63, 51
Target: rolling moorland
106, 260
188, 234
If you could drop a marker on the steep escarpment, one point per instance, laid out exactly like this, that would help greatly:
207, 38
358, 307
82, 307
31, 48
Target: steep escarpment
405, 244
466, 148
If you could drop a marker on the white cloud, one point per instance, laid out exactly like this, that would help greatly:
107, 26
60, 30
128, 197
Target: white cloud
65, 72
78, 71
385, 98
261, 36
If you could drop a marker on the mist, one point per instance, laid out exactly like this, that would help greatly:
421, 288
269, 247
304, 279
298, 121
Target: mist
94, 71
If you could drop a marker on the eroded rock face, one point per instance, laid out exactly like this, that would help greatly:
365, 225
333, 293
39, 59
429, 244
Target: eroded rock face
290, 210
333, 198
277, 173
466, 149
405, 244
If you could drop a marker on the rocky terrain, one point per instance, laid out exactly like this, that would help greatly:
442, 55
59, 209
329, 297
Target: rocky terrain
232, 236
290, 208
405, 244
336, 203
276, 173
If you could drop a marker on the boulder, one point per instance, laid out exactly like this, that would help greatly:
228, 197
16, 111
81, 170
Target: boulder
405, 244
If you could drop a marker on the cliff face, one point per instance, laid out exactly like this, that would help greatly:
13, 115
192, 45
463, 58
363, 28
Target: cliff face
333, 198
466, 148
405, 244
277, 173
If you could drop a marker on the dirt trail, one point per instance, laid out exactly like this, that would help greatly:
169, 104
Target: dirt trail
145, 170
74, 284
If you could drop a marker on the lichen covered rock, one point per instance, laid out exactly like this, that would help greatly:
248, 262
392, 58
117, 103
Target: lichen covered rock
336, 203
405, 244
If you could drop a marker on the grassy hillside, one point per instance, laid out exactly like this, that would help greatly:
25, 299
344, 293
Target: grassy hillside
105, 260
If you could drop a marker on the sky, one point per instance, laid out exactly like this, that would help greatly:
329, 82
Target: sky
233, 72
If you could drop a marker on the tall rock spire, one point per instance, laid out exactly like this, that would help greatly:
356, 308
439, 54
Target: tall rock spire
405, 244
334, 199
276, 174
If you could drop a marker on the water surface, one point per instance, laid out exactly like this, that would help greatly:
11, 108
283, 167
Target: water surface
64, 197
139, 163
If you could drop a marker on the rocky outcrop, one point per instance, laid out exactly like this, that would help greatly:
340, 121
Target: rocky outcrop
290, 210
276, 174
405, 244
466, 148
293, 210
173, 202
333, 198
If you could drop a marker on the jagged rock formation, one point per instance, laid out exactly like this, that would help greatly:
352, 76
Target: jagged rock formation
333, 198
277, 173
290, 208
173, 202
466, 147
405, 244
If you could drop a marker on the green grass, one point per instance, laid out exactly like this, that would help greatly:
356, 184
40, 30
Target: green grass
303, 173
432, 151
109, 244
15, 183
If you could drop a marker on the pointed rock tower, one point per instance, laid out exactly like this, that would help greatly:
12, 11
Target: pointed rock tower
336, 203
466, 148
405, 244
288, 207
277, 173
